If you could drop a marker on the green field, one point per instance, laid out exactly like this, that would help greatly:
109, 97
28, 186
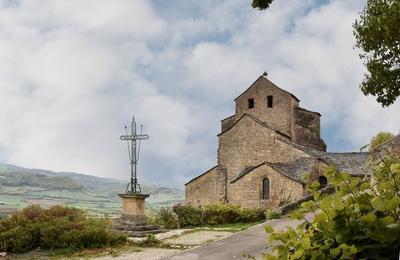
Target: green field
20, 187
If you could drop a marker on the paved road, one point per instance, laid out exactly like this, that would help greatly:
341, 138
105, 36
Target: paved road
251, 242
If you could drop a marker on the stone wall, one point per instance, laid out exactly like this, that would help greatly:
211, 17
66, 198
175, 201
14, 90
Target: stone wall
306, 130
248, 144
205, 189
308, 138
390, 147
251, 137
279, 116
247, 191
308, 119
227, 123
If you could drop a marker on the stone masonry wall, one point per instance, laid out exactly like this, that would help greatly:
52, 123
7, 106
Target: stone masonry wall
247, 191
227, 123
248, 144
307, 129
279, 116
308, 138
205, 189
308, 119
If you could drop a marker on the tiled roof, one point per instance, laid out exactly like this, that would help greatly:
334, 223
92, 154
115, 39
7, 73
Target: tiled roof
296, 169
352, 163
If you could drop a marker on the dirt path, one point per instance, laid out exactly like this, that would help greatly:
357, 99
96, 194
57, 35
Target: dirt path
213, 244
251, 242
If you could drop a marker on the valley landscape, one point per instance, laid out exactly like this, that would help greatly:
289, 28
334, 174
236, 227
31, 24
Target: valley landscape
21, 187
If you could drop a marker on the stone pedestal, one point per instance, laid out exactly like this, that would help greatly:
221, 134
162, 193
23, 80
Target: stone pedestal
133, 208
133, 218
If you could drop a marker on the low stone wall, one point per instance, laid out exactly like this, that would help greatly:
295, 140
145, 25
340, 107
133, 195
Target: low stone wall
295, 204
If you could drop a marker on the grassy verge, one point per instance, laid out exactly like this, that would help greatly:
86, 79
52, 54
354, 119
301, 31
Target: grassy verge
235, 227
71, 254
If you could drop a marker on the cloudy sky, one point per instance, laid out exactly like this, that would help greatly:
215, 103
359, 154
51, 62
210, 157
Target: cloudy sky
72, 74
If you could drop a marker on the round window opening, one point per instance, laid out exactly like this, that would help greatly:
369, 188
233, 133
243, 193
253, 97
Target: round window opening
323, 181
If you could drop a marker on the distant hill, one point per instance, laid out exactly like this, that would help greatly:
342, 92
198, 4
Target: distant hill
20, 187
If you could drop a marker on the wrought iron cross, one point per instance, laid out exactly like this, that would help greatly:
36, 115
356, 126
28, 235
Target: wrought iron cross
133, 140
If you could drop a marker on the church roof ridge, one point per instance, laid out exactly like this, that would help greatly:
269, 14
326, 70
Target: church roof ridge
204, 173
306, 110
309, 151
257, 121
228, 117
265, 78
275, 166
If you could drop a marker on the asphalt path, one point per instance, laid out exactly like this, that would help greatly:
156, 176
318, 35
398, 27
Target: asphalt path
249, 243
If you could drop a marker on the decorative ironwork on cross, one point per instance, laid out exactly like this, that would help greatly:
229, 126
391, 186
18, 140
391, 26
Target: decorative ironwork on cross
133, 140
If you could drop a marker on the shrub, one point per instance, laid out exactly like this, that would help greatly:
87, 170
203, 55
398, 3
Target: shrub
221, 214
167, 218
214, 214
379, 139
55, 228
250, 215
271, 214
188, 215
360, 221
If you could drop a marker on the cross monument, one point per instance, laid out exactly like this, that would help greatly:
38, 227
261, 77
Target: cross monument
133, 214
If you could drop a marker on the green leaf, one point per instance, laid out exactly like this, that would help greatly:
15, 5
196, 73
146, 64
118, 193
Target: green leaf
270, 257
387, 220
299, 253
335, 252
393, 203
378, 204
305, 241
317, 195
369, 218
269, 229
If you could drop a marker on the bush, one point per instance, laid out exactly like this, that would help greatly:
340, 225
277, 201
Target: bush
360, 221
220, 214
188, 215
214, 214
55, 228
271, 214
167, 218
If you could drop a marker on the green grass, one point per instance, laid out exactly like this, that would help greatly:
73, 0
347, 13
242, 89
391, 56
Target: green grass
235, 227
67, 194
13, 201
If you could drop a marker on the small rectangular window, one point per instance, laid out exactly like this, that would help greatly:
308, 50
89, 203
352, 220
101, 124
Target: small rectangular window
270, 101
251, 103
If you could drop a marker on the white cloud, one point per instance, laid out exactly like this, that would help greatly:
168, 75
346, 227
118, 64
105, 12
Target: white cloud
72, 73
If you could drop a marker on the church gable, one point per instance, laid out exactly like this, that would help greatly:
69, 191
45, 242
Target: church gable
268, 103
259, 146
250, 142
264, 187
264, 82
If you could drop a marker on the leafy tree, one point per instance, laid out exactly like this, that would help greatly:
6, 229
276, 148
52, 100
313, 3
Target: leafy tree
379, 139
360, 221
261, 4
378, 35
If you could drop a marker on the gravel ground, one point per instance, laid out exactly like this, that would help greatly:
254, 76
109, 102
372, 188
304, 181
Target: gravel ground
189, 239
145, 254
162, 236
198, 238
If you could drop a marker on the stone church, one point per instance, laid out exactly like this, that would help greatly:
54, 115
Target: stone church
268, 152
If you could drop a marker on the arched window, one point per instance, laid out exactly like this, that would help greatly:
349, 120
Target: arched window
265, 189
323, 181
